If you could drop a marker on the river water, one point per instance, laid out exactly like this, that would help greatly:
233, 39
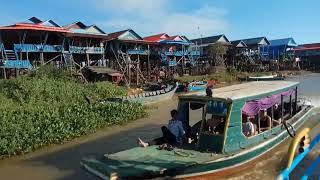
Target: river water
62, 161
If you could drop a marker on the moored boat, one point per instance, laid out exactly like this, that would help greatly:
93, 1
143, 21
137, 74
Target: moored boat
264, 78
197, 86
214, 151
152, 96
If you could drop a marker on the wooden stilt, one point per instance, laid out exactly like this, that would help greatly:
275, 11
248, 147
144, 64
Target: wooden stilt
4, 73
149, 67
290, 106
296, 101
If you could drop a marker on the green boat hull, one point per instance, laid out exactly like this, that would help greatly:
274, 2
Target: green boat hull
202, 168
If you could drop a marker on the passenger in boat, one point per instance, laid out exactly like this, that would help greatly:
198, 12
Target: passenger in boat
276, 115
216, 124
248, 128
265, 121
174, 134
219, 128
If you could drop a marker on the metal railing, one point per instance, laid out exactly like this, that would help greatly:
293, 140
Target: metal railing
138, 52
37, 48
84, 50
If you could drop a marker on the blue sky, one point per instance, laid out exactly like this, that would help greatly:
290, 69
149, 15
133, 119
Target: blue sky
236, 18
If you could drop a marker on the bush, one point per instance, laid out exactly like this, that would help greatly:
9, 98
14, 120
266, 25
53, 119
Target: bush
50, 106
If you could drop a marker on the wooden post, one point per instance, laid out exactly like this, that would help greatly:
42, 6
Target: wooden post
272, 112
259, 131
296, 101
129, 69
88, 59
41, 58
290, 106
149, 67
282, 108
4, 73
137, 68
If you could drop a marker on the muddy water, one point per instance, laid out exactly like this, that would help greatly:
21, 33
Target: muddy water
62, 161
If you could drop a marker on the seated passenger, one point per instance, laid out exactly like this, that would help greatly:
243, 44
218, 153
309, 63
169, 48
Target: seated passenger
276, 115
265, 121
248, 128
173, 135
216, 124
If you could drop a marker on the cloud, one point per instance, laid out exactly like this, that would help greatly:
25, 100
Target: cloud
148, 17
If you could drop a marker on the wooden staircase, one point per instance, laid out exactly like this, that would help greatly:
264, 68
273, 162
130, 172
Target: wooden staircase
68, 60
10, 55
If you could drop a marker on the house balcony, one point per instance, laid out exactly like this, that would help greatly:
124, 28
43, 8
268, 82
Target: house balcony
37, 48
138, 52
17, 64
86, 50
182, 53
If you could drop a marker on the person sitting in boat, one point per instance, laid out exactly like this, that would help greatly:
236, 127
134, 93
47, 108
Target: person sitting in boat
265, 121
174, 134
276, 115
248, 128
219, 128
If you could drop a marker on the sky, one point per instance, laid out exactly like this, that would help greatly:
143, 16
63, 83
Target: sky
237, 19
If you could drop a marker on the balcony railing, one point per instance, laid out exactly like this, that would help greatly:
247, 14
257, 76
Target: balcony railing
182, 53
86, 50
138, 52
37, 48
18, 64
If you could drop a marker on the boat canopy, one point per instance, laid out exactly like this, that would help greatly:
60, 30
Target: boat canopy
253, 107
247, 90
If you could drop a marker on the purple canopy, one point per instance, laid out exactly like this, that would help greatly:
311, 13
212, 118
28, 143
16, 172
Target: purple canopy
252, 108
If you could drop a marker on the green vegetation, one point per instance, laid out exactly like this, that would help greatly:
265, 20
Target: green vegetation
50, 106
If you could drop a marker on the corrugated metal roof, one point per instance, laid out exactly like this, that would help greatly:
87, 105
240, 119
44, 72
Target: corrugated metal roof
255, 41
285, 41
37, 27
210, 39
238, 43
157, 37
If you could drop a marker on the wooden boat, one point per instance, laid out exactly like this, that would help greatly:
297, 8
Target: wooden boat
197, 86
153, 96
301, 143
264, 78
214, 153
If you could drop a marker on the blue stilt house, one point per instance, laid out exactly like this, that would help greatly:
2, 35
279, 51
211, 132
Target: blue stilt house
279, 49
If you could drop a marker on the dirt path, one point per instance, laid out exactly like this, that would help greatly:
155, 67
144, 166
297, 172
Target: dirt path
62, 161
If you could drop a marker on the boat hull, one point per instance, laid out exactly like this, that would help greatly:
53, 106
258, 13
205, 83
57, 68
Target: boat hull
152, 97
239, 162
197, 86
275, 78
